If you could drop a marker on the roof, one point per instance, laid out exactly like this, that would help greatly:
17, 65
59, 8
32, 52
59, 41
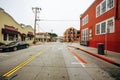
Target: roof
87, 8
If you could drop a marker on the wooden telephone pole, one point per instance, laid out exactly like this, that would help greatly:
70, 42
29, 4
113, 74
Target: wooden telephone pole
36, 10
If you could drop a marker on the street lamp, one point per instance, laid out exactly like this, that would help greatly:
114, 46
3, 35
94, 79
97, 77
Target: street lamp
36, 10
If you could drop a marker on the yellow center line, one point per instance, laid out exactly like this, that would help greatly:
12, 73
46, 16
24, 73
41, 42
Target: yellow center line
12, 71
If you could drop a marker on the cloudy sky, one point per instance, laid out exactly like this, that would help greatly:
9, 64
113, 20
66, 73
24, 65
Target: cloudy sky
56, 15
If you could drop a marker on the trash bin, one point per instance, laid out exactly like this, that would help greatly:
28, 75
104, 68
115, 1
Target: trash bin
101, 48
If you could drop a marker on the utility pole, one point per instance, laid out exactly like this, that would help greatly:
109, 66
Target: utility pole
106, 39
36, 10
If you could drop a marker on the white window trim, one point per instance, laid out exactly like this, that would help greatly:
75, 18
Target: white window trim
96, 29
106, 26
101, 7
85, 20
101, 27
86, 29
113, 24
107, 9
107, 6
96, 11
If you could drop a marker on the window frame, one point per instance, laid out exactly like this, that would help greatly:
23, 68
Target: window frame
106, 31
85, 20
98, 13
107, 8
103, 26
102, 12
10, 37
85, 34
97, 29
113, 24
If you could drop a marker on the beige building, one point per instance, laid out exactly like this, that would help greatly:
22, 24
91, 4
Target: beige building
10, 30
71, 34
42, 37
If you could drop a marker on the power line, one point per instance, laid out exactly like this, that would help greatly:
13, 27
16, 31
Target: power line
40, 28
55, 20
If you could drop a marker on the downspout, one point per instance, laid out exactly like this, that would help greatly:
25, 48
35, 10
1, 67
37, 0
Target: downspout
116, 17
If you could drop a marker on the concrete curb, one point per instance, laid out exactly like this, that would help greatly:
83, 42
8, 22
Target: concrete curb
98, 56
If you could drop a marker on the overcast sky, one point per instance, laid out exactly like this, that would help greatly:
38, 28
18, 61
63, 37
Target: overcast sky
58, 15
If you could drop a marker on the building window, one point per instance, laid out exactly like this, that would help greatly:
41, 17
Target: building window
110, 26
103, 6
5, 37
98, 10
110, 4
98, 29
11, 37
106, 26
103, 27
85, 35
85, 20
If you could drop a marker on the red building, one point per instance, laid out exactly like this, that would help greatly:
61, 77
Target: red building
100, 23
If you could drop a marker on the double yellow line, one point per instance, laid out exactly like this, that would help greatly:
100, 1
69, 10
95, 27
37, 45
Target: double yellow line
9, 73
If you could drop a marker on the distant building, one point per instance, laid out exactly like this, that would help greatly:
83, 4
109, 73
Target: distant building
42, 37
71, 34
10, 30
78, 36
100, 23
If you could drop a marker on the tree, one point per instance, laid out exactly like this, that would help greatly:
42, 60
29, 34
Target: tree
53, 34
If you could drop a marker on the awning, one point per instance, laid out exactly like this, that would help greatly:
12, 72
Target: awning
7, 31
30, 34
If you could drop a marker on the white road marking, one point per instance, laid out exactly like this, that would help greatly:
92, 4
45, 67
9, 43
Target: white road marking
78, 62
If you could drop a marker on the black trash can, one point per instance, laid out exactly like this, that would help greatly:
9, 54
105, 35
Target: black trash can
101, 49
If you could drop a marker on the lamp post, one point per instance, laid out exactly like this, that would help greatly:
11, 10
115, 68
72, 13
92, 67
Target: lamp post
36, 10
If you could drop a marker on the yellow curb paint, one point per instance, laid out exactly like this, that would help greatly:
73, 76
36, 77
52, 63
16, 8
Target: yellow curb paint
9, 73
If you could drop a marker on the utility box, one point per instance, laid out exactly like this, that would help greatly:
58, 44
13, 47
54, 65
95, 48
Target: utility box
101, 49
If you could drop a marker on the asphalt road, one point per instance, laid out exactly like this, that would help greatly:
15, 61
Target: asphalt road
55, 61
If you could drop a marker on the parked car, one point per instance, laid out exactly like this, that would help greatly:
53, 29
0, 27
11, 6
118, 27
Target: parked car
13, 46
1, 44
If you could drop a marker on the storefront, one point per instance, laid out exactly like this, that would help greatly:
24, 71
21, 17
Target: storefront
30, 35
10, 33
23, 37
10, 30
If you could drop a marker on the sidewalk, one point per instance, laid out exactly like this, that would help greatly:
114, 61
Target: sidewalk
110, 55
